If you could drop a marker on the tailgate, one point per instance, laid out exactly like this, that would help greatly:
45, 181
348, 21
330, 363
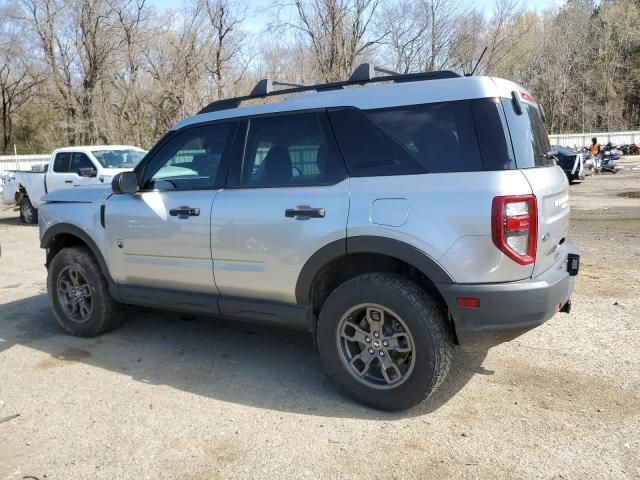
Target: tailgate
551, 188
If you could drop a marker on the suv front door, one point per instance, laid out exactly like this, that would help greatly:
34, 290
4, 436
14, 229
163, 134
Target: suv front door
159, 237
288, 196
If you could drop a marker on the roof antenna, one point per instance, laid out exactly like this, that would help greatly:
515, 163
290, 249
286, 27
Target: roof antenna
477, 63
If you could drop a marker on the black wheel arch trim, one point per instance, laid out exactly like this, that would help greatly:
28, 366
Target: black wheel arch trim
69, 229
367, 244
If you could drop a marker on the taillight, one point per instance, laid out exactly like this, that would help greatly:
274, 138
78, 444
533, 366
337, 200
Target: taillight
514, 227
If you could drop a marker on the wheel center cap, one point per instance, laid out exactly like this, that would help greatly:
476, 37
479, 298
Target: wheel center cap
376, 344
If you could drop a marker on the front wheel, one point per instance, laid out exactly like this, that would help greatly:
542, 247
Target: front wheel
28, 213
384, 341
79, 294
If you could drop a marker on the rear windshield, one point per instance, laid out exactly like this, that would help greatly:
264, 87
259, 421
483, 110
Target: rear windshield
528, 136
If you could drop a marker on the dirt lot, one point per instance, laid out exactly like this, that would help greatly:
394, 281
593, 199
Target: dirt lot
177, 397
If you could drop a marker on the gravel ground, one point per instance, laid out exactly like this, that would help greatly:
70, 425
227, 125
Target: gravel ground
167, 396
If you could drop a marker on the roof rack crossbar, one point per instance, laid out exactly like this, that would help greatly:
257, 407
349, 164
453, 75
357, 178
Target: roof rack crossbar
364, 73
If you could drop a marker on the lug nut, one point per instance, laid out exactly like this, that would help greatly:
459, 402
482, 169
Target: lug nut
385, 343
371, 350
381, 353
367, 339
376, 334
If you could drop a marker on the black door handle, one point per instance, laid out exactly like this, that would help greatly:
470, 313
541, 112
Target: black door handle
184, 212
304, 211
68, 181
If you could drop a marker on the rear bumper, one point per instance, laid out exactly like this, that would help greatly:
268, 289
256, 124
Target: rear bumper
507, 310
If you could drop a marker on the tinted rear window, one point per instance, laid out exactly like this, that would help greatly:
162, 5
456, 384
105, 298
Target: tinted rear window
528, 136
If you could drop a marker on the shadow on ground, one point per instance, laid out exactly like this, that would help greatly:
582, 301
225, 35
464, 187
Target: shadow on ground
238, 363
15, 221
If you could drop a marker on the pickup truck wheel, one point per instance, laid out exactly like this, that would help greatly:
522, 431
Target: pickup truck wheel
79, 294
384, 341
28, 213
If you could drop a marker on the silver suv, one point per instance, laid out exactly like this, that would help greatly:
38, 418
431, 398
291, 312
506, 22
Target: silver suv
393, 217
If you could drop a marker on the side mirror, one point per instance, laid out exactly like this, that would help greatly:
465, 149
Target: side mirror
124, 182
87, 172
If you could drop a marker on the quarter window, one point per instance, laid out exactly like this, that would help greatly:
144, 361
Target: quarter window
440, 136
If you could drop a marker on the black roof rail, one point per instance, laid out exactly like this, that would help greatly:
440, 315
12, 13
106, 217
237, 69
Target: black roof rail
364, 73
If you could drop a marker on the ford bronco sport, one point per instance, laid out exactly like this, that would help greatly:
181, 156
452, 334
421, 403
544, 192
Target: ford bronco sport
393, 217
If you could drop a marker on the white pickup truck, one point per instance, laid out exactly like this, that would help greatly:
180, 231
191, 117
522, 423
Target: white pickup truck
68, 167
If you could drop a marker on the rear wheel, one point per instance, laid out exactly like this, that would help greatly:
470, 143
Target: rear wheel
28, 213
384, 341
79, 294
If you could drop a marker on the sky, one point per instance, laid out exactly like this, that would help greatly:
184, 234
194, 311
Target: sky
258, 19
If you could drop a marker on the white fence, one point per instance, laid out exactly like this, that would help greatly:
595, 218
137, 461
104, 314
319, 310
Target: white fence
584, 139
21, 162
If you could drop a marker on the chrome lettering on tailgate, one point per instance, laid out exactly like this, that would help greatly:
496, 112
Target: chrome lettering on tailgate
562, 201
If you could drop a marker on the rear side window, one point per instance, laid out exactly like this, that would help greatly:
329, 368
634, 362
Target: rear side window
528, 136
290, 150
61, 162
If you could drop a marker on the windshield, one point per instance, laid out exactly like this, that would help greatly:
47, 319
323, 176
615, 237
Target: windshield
528, 136
119, 158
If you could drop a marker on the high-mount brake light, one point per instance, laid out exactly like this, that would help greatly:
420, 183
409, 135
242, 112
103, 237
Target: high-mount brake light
514, 227
527, 97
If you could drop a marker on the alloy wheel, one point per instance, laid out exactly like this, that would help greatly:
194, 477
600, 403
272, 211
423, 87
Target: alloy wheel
376, 346
74, 294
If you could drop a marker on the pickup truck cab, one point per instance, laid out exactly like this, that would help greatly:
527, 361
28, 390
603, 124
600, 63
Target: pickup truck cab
391, 217
68, 168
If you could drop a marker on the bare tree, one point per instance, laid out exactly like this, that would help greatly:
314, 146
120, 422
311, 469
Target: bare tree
17, 81
227, 43
403, 27
336, 32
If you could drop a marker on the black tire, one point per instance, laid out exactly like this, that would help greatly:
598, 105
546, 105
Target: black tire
425, 320
105, 313
28, 213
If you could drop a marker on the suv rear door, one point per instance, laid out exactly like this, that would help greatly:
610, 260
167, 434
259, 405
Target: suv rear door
287, 196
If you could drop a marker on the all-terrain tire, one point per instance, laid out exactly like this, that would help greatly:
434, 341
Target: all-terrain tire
423, 316
105, 313
28, 213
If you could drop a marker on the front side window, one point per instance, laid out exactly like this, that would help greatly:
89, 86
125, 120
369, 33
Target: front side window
128, 158
61, 162
80, 160
289, 150
190, 160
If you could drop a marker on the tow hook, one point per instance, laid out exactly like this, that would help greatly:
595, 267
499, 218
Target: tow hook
566, 308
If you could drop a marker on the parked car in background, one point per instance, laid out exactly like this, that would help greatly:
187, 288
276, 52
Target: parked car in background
68, 167
576, 166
